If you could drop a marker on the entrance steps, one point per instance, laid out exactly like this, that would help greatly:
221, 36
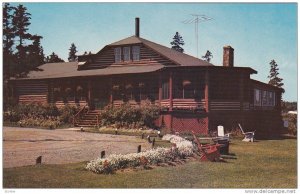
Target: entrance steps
88, 119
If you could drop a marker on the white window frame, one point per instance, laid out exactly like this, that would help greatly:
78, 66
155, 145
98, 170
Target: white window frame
126, 53
136, 53
264, 98
257, 97
271, 99
118, 55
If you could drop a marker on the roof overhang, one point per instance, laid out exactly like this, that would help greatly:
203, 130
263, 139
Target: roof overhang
113, 70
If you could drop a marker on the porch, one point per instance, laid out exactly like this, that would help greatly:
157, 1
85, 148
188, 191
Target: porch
171, 91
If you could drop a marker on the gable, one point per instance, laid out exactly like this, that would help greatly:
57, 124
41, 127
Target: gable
106, 57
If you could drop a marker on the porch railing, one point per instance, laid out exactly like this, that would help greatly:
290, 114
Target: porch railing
78, 114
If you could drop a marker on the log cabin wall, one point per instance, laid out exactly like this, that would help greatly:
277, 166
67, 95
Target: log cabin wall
229, 89
32, 91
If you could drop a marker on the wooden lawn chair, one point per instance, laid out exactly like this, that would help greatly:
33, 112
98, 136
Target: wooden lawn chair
249, 136
208, 152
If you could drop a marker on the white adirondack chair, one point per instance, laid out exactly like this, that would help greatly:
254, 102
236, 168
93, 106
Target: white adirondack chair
249, 136
221, 132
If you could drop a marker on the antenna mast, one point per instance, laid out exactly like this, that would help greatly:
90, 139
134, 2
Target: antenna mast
196, 20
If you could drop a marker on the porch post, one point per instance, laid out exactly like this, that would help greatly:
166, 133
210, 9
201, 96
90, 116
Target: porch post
160, 88
171, 91
111, 91
206, 91
242, 92
171, 100
89, 92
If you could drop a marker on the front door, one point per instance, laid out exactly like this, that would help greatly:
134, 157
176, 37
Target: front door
101, 94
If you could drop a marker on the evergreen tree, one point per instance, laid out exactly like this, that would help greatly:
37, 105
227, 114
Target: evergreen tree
35, 55
208, 55
8, 29
72, 53
274, 79
53, 58
177, 43
21, 21
8, 41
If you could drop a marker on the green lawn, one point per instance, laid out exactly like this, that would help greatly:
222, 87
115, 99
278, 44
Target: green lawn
263, 164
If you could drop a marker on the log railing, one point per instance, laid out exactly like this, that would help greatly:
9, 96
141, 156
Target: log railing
220, 105
188, 104
27, 99
78, 114
192, 104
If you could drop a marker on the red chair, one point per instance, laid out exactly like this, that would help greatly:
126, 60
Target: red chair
208, 152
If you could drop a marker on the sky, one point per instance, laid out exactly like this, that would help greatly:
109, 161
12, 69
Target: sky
259, 32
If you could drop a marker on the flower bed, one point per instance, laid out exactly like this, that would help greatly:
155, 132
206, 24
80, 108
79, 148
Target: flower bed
114, 162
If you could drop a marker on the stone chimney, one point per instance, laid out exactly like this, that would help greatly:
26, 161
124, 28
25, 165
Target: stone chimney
228, 56
137, 27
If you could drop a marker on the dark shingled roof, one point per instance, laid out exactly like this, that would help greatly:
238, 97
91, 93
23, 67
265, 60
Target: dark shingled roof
174, 56
69, 69
256, 82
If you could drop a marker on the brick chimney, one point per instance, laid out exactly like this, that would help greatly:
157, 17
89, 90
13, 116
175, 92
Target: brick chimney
137, 27
228, 56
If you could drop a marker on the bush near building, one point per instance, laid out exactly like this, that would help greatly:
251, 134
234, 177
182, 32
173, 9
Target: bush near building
37, 115
49, 116
127, 116
292, 120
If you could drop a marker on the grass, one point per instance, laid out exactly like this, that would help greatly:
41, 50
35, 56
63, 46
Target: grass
263, 164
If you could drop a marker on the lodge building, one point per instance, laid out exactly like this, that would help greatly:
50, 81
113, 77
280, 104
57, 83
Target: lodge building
193, 94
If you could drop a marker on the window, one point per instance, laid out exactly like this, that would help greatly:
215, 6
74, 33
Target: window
257, 101
117, 55
126, 53
136, 53
264, 98
188, 89
165, 90
271, 98
129, 91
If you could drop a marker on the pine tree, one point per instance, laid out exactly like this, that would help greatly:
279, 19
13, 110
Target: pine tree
274, 79
208, 55
177, 43
35, 55
9, 61
72, 53
8, 29
21, 21
53, 58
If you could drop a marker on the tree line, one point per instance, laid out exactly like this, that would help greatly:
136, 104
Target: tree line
22, 51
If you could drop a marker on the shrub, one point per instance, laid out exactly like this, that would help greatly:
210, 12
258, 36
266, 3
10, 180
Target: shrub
37, 115
292, 119
66, 113
36, 122
130, 117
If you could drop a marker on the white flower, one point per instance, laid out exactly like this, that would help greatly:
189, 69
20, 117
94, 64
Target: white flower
118, 161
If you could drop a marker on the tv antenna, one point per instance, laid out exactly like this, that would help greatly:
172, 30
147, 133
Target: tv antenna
197, 18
